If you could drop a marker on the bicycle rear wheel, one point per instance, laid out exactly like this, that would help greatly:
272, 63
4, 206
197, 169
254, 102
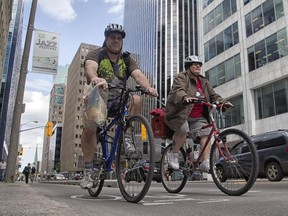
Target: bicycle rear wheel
134, 171
99, 164
235, 173
173, 180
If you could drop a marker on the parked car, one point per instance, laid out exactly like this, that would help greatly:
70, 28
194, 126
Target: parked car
272, 148
59, 176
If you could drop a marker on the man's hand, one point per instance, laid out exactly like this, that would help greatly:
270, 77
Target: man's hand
100, 82
152, 92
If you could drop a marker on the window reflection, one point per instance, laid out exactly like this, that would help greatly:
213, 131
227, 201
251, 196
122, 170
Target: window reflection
272, 99
263, 15
268, 50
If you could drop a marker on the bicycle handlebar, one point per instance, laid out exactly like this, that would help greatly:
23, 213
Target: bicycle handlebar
195, 100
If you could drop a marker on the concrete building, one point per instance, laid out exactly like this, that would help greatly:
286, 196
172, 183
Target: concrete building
245, 52
10, 68
5, 17
56, 115
71, 151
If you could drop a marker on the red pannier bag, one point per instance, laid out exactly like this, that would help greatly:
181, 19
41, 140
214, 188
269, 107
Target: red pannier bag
160, 129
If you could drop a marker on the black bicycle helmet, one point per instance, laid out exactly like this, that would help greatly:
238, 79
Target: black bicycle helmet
114, 28
190, 60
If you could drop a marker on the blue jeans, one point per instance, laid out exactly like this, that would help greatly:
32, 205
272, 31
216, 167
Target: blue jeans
2, 174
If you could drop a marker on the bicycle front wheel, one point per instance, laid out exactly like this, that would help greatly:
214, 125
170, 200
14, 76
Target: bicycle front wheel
135, 169
235, 170
99, 165
173, 180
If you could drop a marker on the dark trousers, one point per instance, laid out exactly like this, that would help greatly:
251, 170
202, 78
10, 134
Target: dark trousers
26, 178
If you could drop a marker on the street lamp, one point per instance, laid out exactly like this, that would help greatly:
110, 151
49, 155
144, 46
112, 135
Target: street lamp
28, 122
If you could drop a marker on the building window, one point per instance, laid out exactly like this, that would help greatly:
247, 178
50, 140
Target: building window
219, 14
263, 15
233, 116
247, 1
225, 71
223, 41
268, 50
272, 99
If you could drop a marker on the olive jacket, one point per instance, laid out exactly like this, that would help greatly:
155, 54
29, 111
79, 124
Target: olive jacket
184, 85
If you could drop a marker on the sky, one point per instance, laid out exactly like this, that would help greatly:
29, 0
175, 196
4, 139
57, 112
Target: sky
77, 21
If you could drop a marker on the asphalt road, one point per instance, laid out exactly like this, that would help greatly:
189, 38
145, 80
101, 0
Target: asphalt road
197, 198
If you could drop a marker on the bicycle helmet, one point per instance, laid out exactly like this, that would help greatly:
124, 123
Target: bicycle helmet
190, 60
114, 28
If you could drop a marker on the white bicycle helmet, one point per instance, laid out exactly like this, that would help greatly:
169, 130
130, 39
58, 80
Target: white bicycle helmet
114, 28
190, 60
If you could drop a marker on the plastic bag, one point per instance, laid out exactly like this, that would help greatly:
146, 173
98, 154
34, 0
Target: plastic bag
95, 106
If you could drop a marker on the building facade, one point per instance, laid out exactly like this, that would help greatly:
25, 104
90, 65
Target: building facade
71, 151
10, 75
245, 52
166, 38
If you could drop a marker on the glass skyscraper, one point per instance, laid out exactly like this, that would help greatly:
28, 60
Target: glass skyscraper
161, 34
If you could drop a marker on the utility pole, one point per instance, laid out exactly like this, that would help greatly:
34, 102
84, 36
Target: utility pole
19, 107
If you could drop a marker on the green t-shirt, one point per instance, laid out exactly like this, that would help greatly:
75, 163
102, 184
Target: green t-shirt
115, 73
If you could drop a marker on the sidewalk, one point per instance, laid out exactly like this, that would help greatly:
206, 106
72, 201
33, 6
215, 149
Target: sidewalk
19, 199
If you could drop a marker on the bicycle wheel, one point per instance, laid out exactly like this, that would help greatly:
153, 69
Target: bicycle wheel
134, 171
235, 173
99, 164
173, 180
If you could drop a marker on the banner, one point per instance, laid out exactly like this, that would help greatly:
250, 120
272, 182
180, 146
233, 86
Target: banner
45, 52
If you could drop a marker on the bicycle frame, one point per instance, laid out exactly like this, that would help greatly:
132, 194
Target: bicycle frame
213, 133
110, 156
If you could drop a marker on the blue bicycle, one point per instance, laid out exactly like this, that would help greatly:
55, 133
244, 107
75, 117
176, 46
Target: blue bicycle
134, 171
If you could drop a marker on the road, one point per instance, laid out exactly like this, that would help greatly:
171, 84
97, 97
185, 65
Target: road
197, 198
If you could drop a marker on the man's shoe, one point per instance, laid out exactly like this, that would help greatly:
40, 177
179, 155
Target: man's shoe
173, 160
128, 145
205, 166
90, 175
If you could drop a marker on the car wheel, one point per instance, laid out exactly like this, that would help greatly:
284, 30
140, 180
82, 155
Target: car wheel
274, 172
221, 174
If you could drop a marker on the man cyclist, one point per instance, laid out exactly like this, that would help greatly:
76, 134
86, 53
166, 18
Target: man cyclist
109, 64
183, 117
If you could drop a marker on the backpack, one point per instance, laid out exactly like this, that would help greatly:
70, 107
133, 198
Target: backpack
33, 170
26, 170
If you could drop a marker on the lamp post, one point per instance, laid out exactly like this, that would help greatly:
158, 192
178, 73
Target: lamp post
27, 123
14, 141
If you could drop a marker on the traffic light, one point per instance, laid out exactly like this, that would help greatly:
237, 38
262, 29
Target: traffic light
49, 128
20, 153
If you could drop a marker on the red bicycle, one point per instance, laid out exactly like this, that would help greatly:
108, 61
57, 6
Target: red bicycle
233, 159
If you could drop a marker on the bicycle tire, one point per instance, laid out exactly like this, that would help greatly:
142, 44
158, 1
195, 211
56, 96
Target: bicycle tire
134, 171
173, 180
99, 164
236, 174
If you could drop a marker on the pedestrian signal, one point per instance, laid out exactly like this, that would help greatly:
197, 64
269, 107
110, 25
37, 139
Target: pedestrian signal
49, 128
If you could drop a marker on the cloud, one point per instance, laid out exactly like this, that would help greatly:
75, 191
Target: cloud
43, 85
36, 109
61, 10
118, 6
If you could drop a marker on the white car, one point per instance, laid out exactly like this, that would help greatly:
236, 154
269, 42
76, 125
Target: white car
59, 177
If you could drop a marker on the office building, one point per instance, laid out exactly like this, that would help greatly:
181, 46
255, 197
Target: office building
71, 151
11, 68
245, 52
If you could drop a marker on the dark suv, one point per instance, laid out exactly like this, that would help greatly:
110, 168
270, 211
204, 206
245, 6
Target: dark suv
272, 148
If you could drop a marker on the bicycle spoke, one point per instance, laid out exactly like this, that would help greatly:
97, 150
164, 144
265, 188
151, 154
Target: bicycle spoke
135, 169
236, 172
